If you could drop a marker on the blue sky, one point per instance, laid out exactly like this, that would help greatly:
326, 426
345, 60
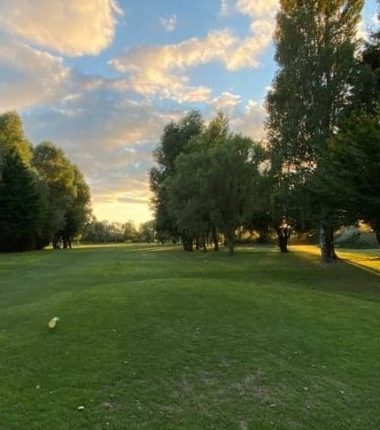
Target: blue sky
101, 78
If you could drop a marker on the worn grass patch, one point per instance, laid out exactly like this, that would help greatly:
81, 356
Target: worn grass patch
153, 338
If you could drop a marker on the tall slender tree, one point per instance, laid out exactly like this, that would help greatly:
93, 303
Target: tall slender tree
316, 43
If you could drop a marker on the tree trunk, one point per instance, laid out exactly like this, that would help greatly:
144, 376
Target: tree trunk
231, 242
231, 248
187, 244
204, 243
326, 239
283, 234
263, 237
197, 243
215, 239
55, 242
377, 235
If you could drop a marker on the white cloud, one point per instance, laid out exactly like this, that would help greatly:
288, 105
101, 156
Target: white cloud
162, 70
169, 23
29, 76
251, 121
257, 8
262, 14
159, 70
70, 27
227, 102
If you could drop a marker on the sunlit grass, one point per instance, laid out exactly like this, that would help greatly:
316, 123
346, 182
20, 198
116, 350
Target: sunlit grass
364, 258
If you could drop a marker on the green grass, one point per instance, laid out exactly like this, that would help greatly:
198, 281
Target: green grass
154, 338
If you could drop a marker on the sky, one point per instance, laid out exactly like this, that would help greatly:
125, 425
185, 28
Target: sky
101, 78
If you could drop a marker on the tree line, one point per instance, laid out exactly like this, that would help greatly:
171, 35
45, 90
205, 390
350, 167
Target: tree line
44, 198
318, 167
115, 232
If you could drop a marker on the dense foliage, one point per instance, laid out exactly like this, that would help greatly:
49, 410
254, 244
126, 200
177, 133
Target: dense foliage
208, 188
43, 196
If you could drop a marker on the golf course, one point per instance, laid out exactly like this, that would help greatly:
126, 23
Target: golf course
150, 337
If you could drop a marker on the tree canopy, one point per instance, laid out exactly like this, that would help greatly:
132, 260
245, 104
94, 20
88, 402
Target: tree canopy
43, 196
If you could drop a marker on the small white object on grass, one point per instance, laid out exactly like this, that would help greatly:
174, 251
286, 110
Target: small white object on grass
53, 322
80, 408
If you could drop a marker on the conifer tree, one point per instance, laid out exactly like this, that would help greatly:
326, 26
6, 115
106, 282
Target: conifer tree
20, 205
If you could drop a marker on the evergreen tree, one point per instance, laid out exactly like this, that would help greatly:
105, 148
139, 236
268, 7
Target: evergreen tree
351, 174
20, 205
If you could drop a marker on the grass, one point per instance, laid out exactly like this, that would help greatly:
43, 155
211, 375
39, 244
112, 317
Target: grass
154, 338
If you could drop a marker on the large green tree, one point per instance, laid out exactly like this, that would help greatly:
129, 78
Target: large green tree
21, 205
231, 179
44, 197
351, 174
174, 140
215, 183
68, 196
315, 51
22, 200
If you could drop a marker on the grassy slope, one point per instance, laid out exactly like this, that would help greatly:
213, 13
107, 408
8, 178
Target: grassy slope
154, 338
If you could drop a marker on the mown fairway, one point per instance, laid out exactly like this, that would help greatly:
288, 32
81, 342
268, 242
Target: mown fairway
154, 338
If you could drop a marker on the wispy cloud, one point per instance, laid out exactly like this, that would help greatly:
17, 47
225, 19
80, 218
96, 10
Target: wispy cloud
227, 102
225, 7
169, 23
